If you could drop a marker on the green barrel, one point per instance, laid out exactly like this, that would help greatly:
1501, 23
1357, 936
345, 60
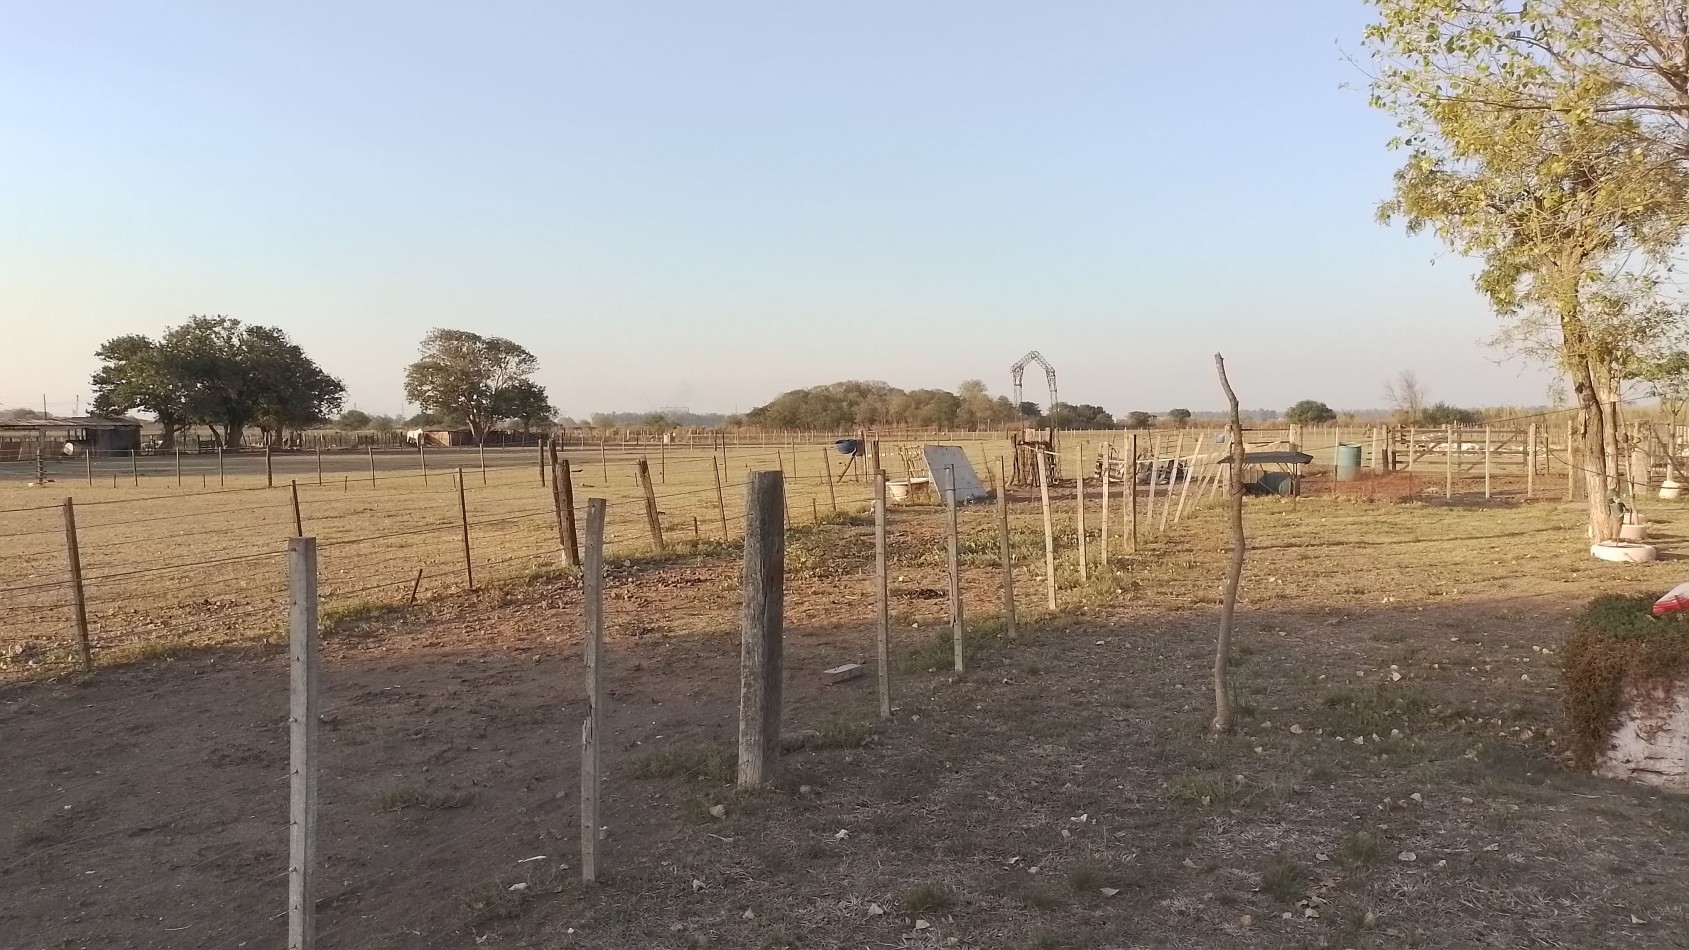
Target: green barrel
1348, 462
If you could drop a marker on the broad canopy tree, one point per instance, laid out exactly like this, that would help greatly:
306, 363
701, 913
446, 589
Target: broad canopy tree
1550, 141
478, 379
217, 372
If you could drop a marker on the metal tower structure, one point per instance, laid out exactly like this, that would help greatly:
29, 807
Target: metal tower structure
1018, 371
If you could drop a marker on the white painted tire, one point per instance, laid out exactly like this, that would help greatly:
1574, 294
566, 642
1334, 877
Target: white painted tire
1670, 490
1633, 532
1624, 552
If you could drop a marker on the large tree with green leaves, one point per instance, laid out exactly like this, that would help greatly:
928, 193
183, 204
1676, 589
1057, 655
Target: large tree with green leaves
217, 372
463, 375
1545, 138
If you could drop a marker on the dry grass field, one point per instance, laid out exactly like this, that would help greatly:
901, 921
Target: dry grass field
1396, 779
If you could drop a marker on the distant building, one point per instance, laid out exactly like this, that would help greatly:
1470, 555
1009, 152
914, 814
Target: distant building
69, 435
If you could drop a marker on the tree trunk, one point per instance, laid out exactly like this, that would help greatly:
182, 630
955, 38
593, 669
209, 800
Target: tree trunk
1597, 427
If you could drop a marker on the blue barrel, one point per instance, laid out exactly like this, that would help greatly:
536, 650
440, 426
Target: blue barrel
1348, 462
848, 446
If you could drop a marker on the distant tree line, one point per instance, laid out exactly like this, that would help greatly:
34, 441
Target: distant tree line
859, 403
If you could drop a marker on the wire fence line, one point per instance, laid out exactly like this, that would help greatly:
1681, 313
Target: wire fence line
431, 796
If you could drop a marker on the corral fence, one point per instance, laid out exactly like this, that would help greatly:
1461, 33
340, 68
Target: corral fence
100, 581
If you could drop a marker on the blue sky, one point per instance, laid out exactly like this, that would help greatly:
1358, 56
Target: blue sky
707, 204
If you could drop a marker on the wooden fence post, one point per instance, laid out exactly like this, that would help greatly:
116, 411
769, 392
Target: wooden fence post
720, 498
463, 520
653, 520
882, 597
422, 455
177, 453
1006, 551
319, 466
298, 523
1049, 529
1486, 462
370, 451
1108, 449
219, 465
78, 600
603, 462
481, 457
1079, 514
539, 462
1448, 461
269, 468
761, 647
1130, 534
302, 743
1154, 476
592, 651
953, 554
1531, 462
1190, 469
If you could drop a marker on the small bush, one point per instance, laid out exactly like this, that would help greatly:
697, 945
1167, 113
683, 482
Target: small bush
1618, 645
926, 897
1283, 878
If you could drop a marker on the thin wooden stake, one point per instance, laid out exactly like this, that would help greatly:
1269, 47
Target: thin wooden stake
1154, 476
720, 498
481, 455
1005, 550
78, 599
416, 585
302, 744
1222, 722
653, 519
298, 523
319, 467
882, 598
422, 455
1190, 469
953, 552
1049, 528
592, 651
220, 466
369, 450
269, 468
178, 454
760, 657
463, 519
827, 475
539, 462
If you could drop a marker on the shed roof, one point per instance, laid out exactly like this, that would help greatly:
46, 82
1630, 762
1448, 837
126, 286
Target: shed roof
73, 422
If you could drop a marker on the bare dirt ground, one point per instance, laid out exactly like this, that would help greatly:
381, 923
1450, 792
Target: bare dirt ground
1395, 780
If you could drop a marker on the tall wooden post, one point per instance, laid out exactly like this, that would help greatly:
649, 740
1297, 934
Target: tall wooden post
369, 450
1531, 462
1079, 514
1154, 476
78, 600
1448, 461
463, 520
1049, 529
88, 465
269, 467
1190, 470
302, 744
1130, 534
882, 597
422, 455
592, 651
760, 658
1487, 448
653, 520
1108, 449
953, 555
539, 462
1006, 551
177, 453
298, 523
720, 498
319, 466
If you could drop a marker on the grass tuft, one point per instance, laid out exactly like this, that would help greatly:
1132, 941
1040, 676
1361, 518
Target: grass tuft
1282, 878
926, 897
